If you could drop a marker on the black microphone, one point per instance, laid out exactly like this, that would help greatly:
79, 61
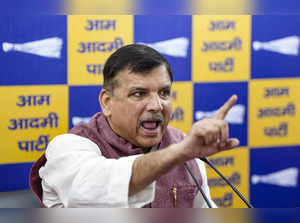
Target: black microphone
227, 181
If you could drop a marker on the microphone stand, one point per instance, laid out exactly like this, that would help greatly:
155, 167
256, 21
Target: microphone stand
227, 181
198, 185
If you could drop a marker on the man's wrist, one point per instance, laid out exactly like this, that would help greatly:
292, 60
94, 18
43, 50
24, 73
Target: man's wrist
180, 153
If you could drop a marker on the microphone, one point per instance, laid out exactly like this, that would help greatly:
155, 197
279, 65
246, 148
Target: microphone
227, 181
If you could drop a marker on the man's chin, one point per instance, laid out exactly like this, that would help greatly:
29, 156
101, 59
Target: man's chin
147, 142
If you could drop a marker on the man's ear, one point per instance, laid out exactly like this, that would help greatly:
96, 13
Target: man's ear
105, 98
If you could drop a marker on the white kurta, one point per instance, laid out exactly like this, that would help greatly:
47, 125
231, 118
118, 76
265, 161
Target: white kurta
77, 175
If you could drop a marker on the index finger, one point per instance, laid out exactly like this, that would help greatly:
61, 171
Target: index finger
222, 112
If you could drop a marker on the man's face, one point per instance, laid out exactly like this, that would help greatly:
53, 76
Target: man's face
140, 108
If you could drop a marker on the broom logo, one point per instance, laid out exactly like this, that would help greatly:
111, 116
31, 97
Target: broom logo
80, 120
234, 116
50, 47
288, 45
285, 178
176, 47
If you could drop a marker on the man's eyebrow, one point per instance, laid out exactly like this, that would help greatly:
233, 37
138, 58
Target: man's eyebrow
137, 88
167, 86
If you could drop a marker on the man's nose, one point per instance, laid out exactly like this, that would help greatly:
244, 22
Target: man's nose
154, 104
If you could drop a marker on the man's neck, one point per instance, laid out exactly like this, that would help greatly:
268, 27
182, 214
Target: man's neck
150, 149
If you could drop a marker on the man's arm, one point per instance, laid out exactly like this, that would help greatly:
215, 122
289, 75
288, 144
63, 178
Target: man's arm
206, 137
77, 175
150, 166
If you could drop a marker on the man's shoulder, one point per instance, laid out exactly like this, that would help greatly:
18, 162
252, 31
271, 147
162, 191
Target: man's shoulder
68, 137
69, 142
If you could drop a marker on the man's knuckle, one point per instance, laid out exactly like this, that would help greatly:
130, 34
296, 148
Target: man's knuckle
224, 124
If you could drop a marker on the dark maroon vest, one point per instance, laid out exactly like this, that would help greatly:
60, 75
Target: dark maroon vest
176, 188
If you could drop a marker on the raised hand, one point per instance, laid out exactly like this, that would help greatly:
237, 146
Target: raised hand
209, 136
206, 137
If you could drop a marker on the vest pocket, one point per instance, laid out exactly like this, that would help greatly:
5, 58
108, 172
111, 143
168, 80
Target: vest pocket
178, 196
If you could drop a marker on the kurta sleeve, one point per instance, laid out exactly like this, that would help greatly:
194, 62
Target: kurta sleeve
77, 175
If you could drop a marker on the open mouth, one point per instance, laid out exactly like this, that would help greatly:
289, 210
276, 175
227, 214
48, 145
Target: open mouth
151, 127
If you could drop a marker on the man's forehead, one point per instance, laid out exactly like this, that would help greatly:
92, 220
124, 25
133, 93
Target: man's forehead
158, 76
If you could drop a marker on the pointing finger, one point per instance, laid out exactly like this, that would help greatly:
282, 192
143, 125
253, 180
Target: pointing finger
224, 131
222, 112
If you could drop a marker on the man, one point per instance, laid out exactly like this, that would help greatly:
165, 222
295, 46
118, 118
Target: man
128, 156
